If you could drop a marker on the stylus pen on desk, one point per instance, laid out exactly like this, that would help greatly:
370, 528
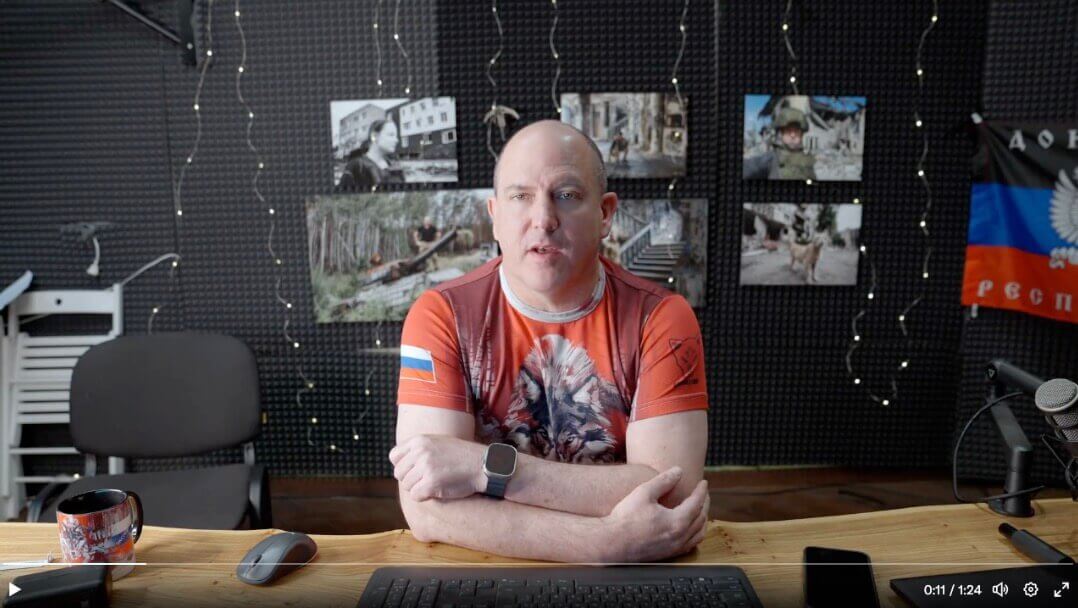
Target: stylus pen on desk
1033, 547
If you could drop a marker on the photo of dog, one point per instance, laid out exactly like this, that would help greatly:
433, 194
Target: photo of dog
807, 254
800, 244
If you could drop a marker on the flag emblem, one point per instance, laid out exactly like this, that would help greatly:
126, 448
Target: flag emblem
416, 364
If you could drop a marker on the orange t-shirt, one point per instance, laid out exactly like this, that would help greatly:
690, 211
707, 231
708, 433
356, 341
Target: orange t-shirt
560, 386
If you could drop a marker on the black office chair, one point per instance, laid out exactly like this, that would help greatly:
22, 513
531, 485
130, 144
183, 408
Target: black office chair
166, 396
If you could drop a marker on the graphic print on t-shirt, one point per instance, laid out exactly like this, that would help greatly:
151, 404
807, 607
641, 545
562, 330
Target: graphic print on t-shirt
560, 386
560, 407
687, 356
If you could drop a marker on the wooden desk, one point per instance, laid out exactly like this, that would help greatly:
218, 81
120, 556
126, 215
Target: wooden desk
197, 567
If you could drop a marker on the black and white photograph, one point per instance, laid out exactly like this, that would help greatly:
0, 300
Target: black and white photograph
393, 141
805, 138
800, 244
372, 255
638, 134
664, 241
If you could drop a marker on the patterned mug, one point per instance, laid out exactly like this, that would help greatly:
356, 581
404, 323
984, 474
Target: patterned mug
101, 526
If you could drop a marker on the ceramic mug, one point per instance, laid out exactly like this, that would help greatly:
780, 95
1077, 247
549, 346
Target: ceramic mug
101, 526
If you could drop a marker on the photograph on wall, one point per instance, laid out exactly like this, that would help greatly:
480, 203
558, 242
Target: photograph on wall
800, 244
638, 134
371, 255
801, 137
393, 141
664, 241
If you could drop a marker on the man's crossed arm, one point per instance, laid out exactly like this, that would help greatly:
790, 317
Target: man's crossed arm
556, 511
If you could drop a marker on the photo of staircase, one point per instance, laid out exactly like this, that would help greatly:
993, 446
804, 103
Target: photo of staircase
664, 241
657, 262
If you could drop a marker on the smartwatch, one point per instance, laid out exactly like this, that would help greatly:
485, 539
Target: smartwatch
499, 464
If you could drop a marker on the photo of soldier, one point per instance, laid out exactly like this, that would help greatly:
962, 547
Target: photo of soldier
802, 138
640, 135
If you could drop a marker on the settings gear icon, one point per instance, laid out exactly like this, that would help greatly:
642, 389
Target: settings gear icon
1030, 589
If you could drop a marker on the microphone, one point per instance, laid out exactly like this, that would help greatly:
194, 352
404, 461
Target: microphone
1001, 372
1057, 399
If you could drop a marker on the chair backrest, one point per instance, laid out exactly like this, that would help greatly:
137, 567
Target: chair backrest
50, 359
69, 302
164, 395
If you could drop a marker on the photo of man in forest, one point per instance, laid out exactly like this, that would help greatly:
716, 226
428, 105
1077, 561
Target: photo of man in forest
371, 255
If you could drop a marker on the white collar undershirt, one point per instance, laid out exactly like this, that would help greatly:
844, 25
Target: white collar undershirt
544, 316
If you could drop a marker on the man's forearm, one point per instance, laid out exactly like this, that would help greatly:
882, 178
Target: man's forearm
509, 529
590, 490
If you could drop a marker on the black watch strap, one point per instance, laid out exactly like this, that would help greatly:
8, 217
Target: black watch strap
496, 487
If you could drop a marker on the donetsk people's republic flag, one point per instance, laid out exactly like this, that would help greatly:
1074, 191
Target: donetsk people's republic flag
1022, 251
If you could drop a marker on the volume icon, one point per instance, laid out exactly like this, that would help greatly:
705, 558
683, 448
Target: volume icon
1000, 589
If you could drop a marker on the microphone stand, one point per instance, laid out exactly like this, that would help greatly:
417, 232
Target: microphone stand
1019, 457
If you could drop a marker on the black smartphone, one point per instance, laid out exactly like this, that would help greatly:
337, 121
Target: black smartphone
836, 578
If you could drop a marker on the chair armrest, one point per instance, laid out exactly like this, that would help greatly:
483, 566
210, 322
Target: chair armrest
258, 498
42, 498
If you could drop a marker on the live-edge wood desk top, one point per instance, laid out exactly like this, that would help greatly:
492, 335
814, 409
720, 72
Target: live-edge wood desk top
197, 567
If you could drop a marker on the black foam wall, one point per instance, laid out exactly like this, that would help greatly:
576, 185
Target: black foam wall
96, 120
778, 387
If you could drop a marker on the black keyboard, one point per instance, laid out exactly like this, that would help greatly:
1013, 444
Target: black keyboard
534, 586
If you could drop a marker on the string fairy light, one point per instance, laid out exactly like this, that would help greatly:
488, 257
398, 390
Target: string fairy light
378, 48
557, 58
306, 385
341, 447
922, 222
378, 334
683, 31
676, 82
177, 191
857, 339
498, 114
177, 194
376, 35
156, 308
922, 225
400, 47
792, 56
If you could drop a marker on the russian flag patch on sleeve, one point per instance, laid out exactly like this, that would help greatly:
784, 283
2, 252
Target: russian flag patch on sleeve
416, 364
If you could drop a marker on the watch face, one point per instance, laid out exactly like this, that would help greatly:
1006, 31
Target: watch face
501, 459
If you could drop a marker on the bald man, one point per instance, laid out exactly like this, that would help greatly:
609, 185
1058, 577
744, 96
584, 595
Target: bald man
519, 374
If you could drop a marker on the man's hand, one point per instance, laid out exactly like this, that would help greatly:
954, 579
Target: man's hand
438, 466
643, 530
